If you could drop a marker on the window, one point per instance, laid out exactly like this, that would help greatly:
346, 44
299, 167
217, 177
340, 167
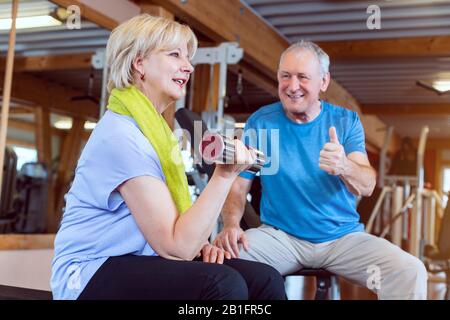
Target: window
446, 183
25, 155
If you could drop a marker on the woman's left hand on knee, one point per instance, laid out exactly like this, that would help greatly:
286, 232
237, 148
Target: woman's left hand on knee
213, 254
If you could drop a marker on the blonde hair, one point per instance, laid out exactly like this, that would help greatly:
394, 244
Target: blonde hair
139, 36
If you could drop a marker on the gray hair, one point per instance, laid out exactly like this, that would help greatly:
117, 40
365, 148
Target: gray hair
321, 55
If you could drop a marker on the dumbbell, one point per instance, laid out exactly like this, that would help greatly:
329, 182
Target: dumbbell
217, 148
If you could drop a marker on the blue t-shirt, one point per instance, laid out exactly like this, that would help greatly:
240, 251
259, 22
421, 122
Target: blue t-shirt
97, 223
297, 196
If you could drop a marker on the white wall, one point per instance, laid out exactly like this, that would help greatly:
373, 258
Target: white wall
26, 268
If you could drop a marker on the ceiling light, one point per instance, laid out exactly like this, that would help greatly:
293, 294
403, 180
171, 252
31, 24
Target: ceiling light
442, 85
438, 86
88, 125
30, 22
66, 124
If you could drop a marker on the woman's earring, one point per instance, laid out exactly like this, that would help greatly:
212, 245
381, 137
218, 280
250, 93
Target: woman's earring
142, 76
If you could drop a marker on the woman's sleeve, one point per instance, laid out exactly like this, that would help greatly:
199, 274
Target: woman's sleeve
116, 161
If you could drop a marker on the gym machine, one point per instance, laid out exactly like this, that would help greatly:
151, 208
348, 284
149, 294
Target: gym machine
390, 214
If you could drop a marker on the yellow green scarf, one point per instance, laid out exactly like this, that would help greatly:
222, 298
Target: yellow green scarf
132, 102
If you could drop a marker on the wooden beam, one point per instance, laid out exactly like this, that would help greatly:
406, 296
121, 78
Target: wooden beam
50, 63
372, 148
407, 109
438, 143
54, 96
43, 135
21, 110
240, 117
200, 88
251, 32
69, 155
26, 241
230, 20
85, 135
432, 46
61, 133
264, 81
210, 21
31, 126
20, 143
204, 96
255, 77
225, 20
43, 139
21, 125
157, 11
103, 13
87, 12
249, 73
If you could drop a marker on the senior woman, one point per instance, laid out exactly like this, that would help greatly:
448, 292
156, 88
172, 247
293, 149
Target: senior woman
129, 230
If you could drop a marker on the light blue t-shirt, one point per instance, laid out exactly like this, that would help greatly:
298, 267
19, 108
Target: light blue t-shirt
297, 196
97, 223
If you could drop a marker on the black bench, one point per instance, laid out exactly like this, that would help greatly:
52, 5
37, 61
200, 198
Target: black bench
16, 293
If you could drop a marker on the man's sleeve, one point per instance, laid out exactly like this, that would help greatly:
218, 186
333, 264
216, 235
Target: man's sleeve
355, 140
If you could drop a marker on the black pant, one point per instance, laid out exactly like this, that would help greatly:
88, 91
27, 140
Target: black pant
146, 277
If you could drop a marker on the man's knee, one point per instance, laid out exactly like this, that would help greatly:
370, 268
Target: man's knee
417, 269
408, 279
411, 269
224, 283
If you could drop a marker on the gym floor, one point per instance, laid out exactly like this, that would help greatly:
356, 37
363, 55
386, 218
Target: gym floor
349, 291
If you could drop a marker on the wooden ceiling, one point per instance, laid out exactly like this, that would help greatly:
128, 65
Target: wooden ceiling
379, 68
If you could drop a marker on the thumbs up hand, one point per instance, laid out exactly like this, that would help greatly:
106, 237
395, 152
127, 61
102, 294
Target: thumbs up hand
332, 158
333, 135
